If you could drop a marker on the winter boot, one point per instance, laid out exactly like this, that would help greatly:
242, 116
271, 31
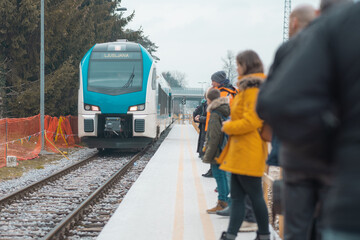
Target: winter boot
225, 212
208, 174
262, 236
219, 206
226, 236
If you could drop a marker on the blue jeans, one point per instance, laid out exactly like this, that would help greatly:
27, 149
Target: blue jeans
221, 182
228, 178
273, 158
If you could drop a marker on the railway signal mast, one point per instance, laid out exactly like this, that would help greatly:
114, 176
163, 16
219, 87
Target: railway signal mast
287, 11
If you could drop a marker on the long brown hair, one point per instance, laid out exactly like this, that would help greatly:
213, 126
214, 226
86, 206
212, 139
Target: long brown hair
250, 61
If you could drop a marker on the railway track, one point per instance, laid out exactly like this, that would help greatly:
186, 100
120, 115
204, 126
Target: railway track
49, 208
74, 203
100, 213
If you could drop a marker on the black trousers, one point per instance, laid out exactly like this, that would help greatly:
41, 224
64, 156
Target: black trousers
242, 186
303, 196
249, 212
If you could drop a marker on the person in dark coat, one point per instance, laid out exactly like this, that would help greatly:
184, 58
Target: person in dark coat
300, 18
319, 124
220, 110
299, 188
199, 116
298, 220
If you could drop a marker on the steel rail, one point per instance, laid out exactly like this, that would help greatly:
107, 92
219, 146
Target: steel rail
28, 189
61, 228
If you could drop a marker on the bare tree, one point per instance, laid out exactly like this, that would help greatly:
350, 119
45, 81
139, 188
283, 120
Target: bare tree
229, 66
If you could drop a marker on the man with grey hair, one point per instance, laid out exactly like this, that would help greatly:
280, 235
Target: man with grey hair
307, 178
297, 218
300, 17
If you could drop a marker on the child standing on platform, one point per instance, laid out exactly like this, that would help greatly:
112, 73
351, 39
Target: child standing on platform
220, 109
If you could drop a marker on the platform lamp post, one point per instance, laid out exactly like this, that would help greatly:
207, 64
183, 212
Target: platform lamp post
42, 77
121, 9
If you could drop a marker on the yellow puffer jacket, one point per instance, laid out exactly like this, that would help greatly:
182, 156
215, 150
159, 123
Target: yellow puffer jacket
245, 152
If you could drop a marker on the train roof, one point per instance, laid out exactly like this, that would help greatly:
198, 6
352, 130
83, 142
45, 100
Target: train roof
120, 45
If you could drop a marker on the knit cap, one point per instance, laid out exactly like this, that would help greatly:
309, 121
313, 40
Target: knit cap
219, 77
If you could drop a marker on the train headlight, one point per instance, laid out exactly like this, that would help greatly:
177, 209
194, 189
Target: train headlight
89, 107
135, 108
95, 108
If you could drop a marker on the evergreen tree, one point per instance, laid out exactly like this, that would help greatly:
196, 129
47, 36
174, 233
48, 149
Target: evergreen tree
175, 79
72, 27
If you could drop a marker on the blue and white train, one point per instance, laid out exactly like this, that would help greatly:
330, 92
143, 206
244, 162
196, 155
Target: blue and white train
123, 102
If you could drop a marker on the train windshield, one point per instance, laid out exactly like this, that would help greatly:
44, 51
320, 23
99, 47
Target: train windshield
115, 73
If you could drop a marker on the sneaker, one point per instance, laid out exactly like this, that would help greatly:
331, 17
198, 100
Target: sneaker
208, 174
248, 227
224, 212
219, 206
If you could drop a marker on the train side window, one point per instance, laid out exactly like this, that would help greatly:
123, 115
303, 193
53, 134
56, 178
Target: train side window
162, 100
153, 83
170, 107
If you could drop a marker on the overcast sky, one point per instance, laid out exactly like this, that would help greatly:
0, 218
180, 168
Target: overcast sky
194, 35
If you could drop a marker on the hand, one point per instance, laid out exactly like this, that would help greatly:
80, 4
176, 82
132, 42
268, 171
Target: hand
197, 118
222, 128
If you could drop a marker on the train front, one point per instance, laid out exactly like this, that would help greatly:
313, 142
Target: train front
115, 109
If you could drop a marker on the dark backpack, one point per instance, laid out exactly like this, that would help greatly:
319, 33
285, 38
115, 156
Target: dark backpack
225, 137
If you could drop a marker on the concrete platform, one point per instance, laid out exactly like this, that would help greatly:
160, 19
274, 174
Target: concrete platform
170, 198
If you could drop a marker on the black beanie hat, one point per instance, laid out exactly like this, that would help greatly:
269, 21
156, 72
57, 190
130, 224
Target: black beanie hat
219, 77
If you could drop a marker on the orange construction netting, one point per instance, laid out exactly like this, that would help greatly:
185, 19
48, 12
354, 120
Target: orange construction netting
21, 137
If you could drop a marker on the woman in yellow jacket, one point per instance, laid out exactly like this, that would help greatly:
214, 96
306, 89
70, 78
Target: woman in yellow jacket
245, 153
